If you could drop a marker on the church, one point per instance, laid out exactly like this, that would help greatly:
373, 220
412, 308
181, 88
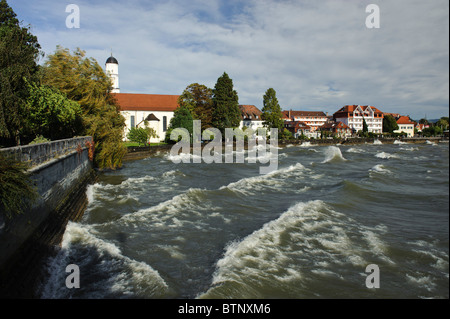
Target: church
159, 109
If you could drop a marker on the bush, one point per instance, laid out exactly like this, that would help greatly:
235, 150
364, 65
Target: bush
17, 192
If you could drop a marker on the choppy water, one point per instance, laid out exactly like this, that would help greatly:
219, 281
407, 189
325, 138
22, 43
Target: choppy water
156, 229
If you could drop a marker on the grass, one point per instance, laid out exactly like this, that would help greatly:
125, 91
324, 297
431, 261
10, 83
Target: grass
135, 144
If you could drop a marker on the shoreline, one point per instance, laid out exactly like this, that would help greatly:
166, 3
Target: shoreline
137, 153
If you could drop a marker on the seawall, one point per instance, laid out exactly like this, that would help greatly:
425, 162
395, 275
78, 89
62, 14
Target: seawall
61, 170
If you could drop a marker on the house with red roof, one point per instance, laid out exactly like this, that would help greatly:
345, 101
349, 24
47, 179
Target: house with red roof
250, 117
313, 119
354, 116
338, 129
405, 125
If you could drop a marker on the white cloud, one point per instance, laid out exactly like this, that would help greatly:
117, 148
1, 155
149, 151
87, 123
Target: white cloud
317, 55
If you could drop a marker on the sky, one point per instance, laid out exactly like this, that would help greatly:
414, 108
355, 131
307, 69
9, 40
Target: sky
318, 55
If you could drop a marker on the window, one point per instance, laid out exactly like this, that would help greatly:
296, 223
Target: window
132, 121
164, 123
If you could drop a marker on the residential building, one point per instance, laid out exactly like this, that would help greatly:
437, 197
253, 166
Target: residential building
354, 115
298, 128
312, 119
338, 129
405, 125
250, 117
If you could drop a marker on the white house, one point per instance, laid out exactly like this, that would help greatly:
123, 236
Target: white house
354, 115
405, 125
313, 119
250, 117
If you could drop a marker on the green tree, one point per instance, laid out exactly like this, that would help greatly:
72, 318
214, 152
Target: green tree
182, 118
198, 99
442, 123
51, 114
389, 124
141, 135
17, 192
226, 112
365, 127
19, 53
83, 80
271, 112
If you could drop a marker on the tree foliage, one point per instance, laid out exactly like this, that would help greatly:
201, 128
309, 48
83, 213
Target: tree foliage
389, 124
19, 53
51, 114
198, 99
83, 80
141, 135
226, 112
17, 192
271, 111
182, 118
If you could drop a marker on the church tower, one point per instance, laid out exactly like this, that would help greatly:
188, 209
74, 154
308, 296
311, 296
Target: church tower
112, 69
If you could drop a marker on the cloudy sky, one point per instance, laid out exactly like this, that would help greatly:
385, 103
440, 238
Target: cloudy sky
317, 54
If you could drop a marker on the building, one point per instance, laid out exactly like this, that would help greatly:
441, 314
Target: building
353, 116
250, 117
312, 119
405, 125
157, 109
298, 128
338, 129
112, 69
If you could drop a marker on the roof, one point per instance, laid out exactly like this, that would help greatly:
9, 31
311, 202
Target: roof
250, 112
146, 102
112, 59
286, 114
352, 108
404, 120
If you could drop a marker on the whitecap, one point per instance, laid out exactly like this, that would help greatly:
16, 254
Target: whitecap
333, 153
386, 155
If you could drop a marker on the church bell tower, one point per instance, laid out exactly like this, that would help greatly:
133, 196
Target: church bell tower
112, 69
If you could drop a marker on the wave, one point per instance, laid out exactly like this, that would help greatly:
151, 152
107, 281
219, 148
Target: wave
355, 150
379, 168
309, 240
116, 275
332, 154
257, 182
430, 143
399, 142
386, 155
377, 142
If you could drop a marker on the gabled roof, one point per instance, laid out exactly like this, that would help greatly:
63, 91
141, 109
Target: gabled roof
146, 102
286, 114
250, 112
404, 120
351, 108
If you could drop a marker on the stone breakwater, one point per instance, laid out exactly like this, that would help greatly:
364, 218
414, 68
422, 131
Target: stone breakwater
61, 171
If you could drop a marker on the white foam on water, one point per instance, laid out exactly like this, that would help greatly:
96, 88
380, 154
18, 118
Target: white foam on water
380, 168
333, 153
409, 148
118, 275
281, 252
355, 150
430, 143
386, 155
421, 281
377, 142
271, 179
399, 142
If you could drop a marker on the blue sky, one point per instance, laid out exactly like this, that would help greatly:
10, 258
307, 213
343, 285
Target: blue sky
317, 55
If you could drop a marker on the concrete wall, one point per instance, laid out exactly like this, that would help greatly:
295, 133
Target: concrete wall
57, 180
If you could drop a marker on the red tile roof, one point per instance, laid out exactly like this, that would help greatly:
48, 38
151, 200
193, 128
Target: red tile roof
343, 112
404, 120
146, 102
302, 114
250, 112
